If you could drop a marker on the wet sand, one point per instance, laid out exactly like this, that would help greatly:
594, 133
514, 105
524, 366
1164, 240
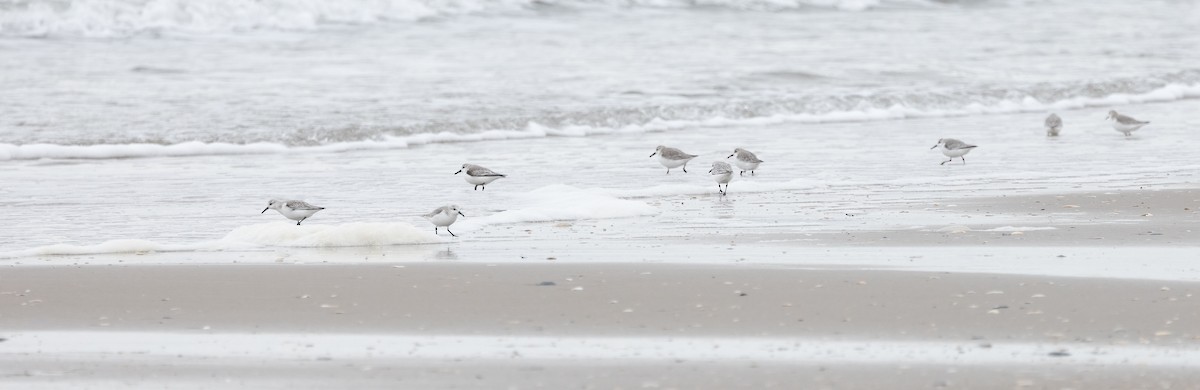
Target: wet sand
595, 301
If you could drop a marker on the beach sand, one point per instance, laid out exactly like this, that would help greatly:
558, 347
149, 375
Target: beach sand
1038, 316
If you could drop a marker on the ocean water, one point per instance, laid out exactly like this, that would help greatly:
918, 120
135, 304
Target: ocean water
167, 125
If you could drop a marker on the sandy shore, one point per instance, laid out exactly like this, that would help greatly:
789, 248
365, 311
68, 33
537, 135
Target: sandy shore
724, 305
1168, 217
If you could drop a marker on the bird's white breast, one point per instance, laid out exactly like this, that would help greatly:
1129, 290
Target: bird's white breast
294, 214
443, 218
480, 180
669, 163
954, 152
1127, 127
723, 178
745, 165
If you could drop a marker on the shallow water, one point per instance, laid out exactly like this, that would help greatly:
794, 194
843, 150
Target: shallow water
370, 117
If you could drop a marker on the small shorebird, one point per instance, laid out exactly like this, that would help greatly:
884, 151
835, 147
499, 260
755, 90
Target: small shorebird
672, 158
479, 176
1123, 123
444, 217
953, 148
722, 173
296, 210
1053, 125
745, 160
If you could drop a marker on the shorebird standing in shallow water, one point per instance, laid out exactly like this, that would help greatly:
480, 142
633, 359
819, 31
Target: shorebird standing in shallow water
479, 176
444, 217
722, 173
672, 158
745, 160
296, 210
1123, 123
953, 148
1053, 125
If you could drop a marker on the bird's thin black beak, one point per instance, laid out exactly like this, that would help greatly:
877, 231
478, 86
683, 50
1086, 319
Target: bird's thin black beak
459, 171
710, 171
652, 154
460, 213
265, 210
730, 155
934, 146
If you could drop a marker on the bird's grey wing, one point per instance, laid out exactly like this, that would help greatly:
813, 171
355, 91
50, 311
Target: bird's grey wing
749, 157
302, 205
435, 212
953, 144
481, 171
676, 154
1126, 120
721, 169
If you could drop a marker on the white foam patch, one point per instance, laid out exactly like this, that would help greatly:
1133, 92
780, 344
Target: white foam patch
133, 346
284, 234
559, 203
1019, 228
738, 185
275, 234
107, 18
1166, 93
111, 246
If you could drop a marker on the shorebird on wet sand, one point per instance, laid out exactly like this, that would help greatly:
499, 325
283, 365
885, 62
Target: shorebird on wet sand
296, 210
1124, 123
479, 176
954, 149
672, 158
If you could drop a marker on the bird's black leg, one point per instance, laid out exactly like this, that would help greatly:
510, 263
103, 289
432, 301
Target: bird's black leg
668, 171
751, 173
685, 168
301, 220
476, 187
964, 160
742, 173
451, 233
944, 162
435, 230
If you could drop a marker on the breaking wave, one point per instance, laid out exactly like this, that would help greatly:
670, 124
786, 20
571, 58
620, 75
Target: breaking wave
830, 109
118, 18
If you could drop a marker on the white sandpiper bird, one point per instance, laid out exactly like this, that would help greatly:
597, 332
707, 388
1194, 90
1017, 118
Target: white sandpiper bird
722, 173
1123, 123
296, 210
672, 158
1053, 125
479, 176
745, 160
953, 148
444, 217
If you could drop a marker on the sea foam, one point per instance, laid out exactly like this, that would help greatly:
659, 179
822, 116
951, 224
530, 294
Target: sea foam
550, 203
1170, 92
119, 18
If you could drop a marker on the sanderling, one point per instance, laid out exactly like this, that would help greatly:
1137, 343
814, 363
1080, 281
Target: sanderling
953, 148
444, 217
1053, 125
296, 210
1123, 123
745, 160
722, 173
479, 176
672, 158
